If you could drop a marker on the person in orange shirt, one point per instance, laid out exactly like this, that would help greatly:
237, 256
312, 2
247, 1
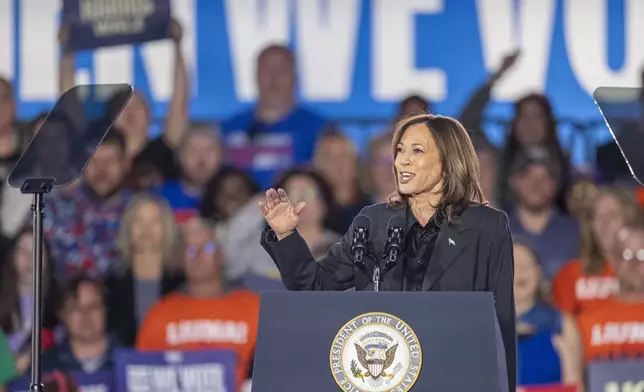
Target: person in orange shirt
589, 282
616, 330
205, 314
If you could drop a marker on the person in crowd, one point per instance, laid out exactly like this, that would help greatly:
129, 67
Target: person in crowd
413, 104
225, 194
336, 159
580, 198
16, 291
58, 381
613, 331
147, 242
277, 133
144, 178
310, 187
589, 282
7, 363
199, 157
554, 236
533, 125
489, 168
82, 225
87, 347
206, 313
12, 141
134, 121
377, 177
549, 348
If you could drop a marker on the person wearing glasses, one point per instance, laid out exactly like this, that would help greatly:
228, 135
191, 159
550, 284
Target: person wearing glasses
207, 313
614, 331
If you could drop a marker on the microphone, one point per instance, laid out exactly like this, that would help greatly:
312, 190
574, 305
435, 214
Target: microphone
361, 225
395, 238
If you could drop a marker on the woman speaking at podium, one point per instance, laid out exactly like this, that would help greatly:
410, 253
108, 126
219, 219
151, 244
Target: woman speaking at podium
452, 241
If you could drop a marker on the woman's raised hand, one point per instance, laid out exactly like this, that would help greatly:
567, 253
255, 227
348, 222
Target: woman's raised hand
280, 214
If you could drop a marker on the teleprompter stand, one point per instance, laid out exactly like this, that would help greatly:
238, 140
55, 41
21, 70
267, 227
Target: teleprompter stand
56, 157
37, 187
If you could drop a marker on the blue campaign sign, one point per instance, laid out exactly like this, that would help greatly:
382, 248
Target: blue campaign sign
356, 58
94, 382
618, 376
180, 371
94, 24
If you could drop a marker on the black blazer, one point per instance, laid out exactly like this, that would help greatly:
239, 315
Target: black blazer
122, 320
479, 257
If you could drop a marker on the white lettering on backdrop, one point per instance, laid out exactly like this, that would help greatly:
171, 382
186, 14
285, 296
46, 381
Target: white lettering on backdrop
503, 31
327, 33
252, 25
394, 74
586, 30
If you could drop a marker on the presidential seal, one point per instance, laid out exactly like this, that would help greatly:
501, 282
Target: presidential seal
376, 352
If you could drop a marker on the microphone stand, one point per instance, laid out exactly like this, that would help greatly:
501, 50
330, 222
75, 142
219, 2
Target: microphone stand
394, 248
37, 187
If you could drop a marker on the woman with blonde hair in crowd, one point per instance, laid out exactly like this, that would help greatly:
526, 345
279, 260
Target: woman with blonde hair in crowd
336, 159
589, 281
548, 345
147, 242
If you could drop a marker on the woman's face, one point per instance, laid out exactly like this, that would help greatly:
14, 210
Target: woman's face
527, 274
418, 164
531, 124
233, 194
23, 258
336, 159
146, 228
580, 198
302, 188
607, 220
380, 166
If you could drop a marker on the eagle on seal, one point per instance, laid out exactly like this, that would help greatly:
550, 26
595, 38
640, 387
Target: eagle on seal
375, 361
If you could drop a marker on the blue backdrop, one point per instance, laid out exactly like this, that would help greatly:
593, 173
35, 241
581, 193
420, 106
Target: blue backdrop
449, 38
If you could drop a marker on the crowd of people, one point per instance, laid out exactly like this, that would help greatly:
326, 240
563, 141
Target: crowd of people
157, 245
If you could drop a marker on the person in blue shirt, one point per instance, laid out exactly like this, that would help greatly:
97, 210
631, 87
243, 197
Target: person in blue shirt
548, 345
199, 157
277, 133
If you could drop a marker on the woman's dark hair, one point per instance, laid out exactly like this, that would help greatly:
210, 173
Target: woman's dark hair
460, 164
415, 98
69, 290
10, 316
323, 186
207, 208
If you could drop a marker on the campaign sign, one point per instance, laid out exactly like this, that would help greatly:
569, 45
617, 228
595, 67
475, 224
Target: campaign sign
175, 371
98, 23
86, 382
616, 376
